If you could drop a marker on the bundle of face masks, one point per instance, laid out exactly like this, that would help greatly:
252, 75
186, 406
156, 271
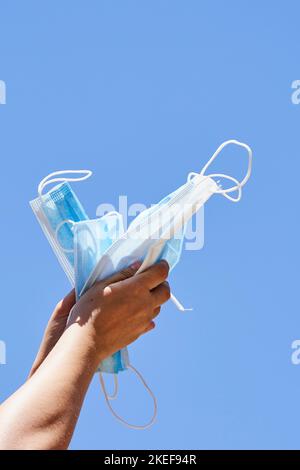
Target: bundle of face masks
92, 250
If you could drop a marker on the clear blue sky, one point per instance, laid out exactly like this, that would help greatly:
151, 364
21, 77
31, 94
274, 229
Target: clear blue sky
143, 93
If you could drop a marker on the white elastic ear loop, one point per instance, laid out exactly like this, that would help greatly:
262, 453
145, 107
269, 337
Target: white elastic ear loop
192, 175
115, 213
224, 191
119, 418
239, 184
114, 395
63, 222
179, 305
50, 178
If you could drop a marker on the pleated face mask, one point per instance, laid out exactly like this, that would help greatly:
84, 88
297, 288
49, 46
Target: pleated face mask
77, 246
97, 249
56, 212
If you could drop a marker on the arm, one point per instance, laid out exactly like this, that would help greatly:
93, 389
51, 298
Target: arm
43, 413
54, 330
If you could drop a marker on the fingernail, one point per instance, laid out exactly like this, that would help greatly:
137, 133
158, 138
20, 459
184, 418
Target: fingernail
165, 262
136, 265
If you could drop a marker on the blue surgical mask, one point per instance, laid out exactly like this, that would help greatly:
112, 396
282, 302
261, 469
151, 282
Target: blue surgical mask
57, 211
77, 241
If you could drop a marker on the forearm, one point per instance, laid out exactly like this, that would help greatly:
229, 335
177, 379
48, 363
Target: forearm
43, 413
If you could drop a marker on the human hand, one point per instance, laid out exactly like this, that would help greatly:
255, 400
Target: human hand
118, 310
58, 320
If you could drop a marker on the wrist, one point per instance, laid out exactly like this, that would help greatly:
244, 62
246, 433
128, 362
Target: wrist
89, 343
79, 340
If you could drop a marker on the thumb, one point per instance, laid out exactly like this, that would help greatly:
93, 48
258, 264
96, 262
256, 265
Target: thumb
63, 307
123, 274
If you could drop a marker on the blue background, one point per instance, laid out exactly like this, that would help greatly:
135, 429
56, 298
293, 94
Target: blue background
143, 93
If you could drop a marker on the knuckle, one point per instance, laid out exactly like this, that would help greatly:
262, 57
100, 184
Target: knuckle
134, 286
141, 288
138, 295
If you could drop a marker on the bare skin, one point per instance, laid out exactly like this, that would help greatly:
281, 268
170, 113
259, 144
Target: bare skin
43, 412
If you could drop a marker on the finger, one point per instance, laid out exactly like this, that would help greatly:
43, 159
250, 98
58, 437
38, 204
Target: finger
161, 294
155, 275
123, 274
150, 327
64, 306
156, 312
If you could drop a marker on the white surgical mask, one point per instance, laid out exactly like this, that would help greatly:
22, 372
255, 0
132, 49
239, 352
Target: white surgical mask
157, 232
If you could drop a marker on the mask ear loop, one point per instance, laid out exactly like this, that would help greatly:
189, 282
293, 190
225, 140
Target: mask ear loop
111, 213
224, 191
179, 305
220, 175
119, 216
63, 222
114, 395
119, 418
50, 178
238, 184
